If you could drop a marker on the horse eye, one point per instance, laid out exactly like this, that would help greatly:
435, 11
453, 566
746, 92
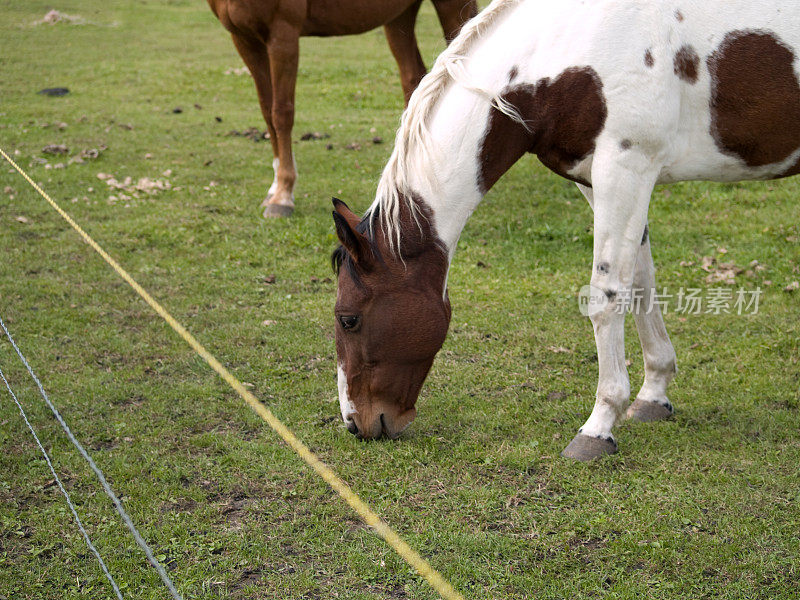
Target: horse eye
349, 321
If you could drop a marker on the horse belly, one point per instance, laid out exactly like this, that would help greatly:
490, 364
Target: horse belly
350, 17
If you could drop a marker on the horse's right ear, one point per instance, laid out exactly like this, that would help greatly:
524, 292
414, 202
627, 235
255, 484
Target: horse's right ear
355, 242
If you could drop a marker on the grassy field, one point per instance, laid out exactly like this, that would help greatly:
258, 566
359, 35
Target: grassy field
706, 505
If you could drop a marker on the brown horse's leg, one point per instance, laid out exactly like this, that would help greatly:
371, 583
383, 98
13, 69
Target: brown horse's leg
283, 47
254, 55
453, 14
403, 43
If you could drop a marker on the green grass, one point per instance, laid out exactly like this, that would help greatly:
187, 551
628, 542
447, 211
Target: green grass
703, 506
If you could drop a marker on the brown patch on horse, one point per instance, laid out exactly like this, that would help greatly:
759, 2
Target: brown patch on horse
403, 314
679, 15
649, 61
563, 117
685, 64
512, 74
755, 99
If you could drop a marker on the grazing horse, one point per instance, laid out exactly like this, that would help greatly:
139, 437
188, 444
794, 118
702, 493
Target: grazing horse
266, 33
616, 95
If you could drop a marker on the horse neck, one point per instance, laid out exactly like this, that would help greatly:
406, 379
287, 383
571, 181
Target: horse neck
440, 155
438, 149
440, 174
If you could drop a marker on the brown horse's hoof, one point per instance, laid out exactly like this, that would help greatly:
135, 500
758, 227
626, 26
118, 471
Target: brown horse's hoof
278, 211
645, 411
585, 448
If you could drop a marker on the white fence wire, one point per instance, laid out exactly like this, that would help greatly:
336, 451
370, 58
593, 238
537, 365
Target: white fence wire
117, 504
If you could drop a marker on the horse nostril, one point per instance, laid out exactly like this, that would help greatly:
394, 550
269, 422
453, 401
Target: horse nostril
352, 427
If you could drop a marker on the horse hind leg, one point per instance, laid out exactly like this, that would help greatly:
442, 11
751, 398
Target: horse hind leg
403, 44
255, 57
283, 48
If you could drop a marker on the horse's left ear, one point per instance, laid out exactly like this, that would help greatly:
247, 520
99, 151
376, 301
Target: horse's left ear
340, 207
353, 241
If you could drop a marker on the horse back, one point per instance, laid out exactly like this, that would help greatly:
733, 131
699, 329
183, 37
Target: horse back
711, 89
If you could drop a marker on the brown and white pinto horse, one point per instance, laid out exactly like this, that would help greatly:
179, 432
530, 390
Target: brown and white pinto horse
617, 95
266, 33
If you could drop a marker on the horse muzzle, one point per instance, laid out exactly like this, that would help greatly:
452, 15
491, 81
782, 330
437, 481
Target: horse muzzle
390, 423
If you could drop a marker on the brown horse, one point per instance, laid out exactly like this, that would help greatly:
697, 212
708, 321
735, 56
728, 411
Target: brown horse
266, 34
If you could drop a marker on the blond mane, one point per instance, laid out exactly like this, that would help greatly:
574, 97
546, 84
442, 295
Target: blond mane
413, 147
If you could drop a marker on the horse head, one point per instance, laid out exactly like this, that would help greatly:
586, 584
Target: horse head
392, 314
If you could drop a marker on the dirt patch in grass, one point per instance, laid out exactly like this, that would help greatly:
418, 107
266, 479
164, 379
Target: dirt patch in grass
180, 505
235, 509
252, 502
249, 576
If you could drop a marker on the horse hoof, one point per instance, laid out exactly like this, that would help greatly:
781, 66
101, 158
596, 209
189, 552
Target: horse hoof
646, 411
278, 211
585, 448
270, 195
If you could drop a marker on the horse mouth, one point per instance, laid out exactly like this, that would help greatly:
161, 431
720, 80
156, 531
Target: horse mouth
389, 434
375, 433
384, 431
384, 423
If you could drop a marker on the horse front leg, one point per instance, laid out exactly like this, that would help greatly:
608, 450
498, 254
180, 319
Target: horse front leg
651, 402
622, 184
254, 54
283, 48
403, 44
